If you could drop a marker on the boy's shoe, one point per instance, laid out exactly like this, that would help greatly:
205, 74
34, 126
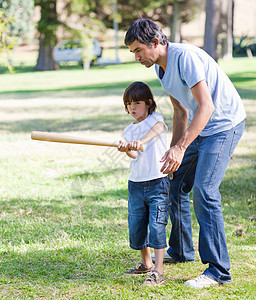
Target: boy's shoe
167, 258
139, 269
201, 282
154, 278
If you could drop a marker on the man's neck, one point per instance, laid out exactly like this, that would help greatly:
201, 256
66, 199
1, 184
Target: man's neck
162, 59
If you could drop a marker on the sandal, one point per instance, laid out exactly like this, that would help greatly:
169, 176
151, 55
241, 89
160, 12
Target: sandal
154, 278
139, 269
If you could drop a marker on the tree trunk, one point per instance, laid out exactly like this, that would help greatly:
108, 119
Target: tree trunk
45, 60
47, 27
227, 43
175, 23
212, 22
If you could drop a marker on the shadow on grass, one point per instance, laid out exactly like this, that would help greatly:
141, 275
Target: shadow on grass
249, 78
107, 123
88, 190
78, 227
250, 120
52, 266
86, 221
19, 69
239, 183
247, 94
242, 77
100, 87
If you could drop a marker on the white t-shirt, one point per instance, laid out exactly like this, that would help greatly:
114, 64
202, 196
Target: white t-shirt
147, 165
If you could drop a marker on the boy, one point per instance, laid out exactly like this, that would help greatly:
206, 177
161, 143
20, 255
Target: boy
148, 206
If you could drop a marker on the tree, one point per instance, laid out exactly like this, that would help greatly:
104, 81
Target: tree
212, 22
227, 14
91, 15
219, 28
21, 12
47, 27
172, 13
7, 42
83, 27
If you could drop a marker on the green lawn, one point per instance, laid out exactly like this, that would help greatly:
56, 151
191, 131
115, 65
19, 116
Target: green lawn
63, 208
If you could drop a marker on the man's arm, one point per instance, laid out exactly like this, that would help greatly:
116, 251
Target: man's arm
180, 121
173, 157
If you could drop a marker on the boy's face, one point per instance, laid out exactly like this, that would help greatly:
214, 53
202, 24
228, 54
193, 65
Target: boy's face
144, 54
138, 110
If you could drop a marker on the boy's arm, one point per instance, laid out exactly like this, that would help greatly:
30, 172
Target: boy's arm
156, 130
122, 147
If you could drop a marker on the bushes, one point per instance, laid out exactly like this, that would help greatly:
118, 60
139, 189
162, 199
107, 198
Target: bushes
245, 46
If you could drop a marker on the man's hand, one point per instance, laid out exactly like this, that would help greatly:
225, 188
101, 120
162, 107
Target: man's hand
172, 160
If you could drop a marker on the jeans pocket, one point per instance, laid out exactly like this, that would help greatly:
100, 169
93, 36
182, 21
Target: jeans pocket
236, 138
163, 212
166, 184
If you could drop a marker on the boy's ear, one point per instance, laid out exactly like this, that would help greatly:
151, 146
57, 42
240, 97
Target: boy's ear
150, 102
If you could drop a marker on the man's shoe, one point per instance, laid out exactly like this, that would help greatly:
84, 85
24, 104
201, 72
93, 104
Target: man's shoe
139, 269
201, 282
154, 279
167, 258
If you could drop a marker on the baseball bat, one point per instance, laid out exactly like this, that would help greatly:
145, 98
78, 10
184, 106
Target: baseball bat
61, 138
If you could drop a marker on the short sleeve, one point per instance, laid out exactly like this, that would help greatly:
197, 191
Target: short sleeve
155, 118
191, 68
127, 134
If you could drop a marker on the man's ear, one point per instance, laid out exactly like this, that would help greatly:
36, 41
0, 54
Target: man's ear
155, 42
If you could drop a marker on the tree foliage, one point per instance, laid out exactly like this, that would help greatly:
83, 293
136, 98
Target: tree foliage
20, 13
7, 42
174, 13
47, 25
170, 13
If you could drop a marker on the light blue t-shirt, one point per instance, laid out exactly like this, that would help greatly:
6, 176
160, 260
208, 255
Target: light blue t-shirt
186, 66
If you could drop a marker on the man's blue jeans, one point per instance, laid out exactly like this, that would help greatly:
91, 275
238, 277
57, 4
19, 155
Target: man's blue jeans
203, 167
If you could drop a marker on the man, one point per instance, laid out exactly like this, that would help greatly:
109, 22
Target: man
208, 122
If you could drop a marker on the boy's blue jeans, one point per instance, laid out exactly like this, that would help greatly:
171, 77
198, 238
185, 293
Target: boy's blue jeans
148, 213
203, 167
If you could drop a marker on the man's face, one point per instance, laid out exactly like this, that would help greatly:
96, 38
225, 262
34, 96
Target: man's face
144, 54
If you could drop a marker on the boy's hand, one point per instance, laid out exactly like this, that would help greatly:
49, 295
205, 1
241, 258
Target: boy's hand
122, 147
135, 145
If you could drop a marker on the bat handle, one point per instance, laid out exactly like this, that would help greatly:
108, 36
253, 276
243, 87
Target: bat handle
142, 148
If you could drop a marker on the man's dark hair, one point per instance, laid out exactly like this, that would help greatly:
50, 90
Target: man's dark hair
139, 91
144, 31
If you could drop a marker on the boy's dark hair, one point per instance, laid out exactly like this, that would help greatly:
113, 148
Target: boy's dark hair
144, 31
139, 91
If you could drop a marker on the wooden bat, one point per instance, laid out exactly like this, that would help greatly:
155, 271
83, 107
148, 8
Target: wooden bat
61, 138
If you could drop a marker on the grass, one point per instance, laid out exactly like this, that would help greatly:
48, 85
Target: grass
63, 208
242, 72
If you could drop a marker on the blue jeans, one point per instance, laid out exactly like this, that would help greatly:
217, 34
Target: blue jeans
148, 213
203, 167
